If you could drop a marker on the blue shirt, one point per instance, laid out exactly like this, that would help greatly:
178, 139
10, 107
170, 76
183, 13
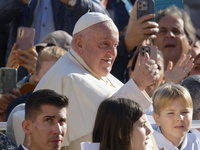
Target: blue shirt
43, 20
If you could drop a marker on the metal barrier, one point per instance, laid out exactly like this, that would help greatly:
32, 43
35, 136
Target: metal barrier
195, 124
3, 125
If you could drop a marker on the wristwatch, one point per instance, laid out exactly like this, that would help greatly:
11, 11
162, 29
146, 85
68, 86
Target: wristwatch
72, 3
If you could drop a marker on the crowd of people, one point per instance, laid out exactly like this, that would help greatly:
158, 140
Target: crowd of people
84, 86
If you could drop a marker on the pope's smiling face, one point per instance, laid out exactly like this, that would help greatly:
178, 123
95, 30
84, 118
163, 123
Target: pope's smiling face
99, 47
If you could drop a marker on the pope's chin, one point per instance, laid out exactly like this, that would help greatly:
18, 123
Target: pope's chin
105, 71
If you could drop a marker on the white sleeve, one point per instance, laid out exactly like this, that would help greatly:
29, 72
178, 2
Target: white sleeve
131, 91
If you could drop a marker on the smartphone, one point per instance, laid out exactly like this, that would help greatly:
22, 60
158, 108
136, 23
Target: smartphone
8, 79
151, 50
145, 7
25, 38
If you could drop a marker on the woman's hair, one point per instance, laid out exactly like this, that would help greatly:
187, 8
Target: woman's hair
168, 93
114, 123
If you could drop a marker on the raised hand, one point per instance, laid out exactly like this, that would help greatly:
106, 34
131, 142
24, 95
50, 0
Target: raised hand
177, 73
146, 73
139, 29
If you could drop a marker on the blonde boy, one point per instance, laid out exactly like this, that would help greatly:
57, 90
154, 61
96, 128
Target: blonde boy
173, 110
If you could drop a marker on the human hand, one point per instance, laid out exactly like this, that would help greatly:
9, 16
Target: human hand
7, 98
28, 58
163, 148
177, 73
146, 73
139, 29
13, 60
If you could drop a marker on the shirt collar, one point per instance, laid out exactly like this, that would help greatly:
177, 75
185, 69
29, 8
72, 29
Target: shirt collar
24, 147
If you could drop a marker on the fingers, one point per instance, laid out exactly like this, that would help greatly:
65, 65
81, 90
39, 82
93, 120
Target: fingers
30, 53
16, 92
146, 18
147, 57
146, 74
169, 66
137, 64
150, 30
134, 11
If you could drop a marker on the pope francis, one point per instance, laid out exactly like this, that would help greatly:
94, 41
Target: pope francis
83, 75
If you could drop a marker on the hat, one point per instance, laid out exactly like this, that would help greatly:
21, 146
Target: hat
59, 38
88, 20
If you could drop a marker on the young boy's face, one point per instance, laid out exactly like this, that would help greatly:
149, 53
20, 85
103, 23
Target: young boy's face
175, 120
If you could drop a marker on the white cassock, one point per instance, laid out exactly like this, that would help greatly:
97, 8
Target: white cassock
70, 76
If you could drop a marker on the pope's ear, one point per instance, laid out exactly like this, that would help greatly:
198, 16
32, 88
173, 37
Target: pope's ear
27, 127
156, 118
78, 44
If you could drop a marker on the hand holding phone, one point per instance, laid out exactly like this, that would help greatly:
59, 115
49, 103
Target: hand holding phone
25, 38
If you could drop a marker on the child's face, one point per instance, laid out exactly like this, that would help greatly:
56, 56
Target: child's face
140, 134
174, 121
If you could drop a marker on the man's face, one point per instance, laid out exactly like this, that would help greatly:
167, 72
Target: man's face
49, 128
196, 68
175, 120
195, 49
171, 39
100, 48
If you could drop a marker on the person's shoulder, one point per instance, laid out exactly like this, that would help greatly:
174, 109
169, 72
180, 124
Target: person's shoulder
193, 140
192, 137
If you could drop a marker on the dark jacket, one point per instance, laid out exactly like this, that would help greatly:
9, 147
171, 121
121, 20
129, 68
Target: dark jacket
19, 14
20, 147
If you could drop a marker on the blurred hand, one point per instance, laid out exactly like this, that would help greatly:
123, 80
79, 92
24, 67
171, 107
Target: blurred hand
146, 73
139, 29
177, 73
13, 60
25, 58
28, 58
7, 98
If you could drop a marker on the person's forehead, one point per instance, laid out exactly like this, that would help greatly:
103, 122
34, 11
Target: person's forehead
105, 30
142, 119
171, 21
52, 110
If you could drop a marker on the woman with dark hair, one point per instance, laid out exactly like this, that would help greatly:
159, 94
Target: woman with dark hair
120, 125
